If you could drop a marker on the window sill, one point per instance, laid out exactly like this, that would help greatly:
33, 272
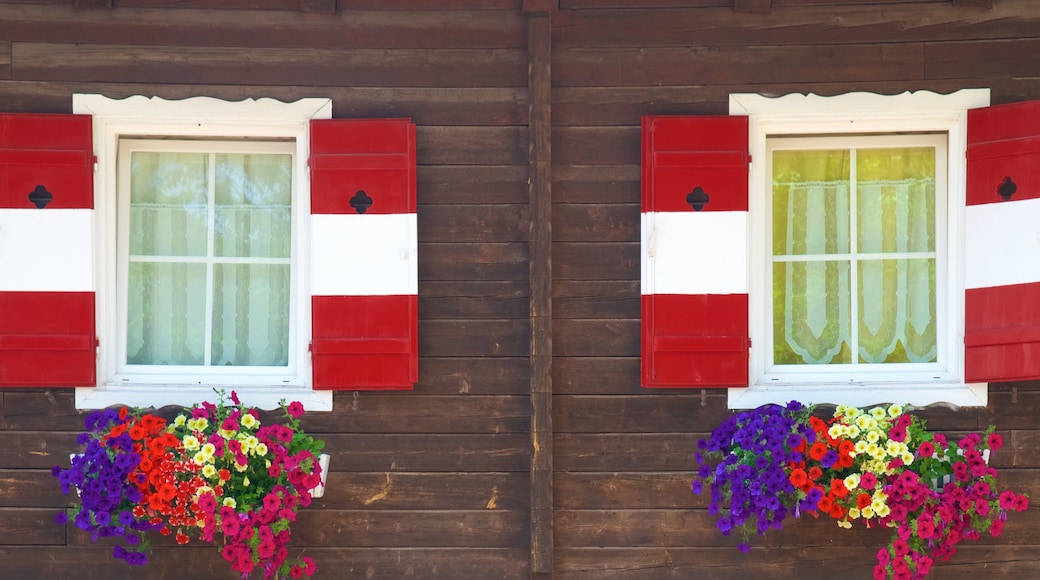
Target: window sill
862, 394
158, 396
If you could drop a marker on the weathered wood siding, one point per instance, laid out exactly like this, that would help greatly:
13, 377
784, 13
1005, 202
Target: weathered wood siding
437, 483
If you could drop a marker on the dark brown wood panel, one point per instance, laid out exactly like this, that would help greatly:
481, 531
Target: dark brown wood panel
983, 59
417, 491
625, 491
596, 145
596, 261
857, 22
5, 60
351, 29
731, 65
596, 222
472, 375
37, 450
596, 338
451, 184
652, 411
289, 66
30, 488
596, 183
626, 451
449, 261
168, 563
472, 223
473, 338
376, 412
425, 452
598, 375
30, 526
471, 145
599, 299
473, 299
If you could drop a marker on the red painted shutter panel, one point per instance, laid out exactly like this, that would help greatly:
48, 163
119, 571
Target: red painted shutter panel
359, 340
1001, 319
693, 338
47, 335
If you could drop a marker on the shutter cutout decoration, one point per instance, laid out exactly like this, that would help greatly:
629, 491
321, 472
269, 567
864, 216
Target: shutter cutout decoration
364, 274
694, 287
1002, 241
47, 333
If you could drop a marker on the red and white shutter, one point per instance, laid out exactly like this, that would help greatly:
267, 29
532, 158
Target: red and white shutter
694, 282
364, 273
1002, 241
47, 334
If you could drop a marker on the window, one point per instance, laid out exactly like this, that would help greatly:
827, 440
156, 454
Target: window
205, 269
838, 249
160, 249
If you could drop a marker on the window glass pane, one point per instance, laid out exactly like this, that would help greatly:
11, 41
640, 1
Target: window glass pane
811, 313
166, 320
250, 315
169, 211
896, 199
810, 202
253, 205
897, 311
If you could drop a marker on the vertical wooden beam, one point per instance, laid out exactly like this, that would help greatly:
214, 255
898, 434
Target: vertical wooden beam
539, 24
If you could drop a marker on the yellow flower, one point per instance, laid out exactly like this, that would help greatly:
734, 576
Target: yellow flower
852, 431
201, 423
260, 449
907, 458
840, 410
877, 504
209, 449
867, 512
861, 447
878, 413
179, 421
836, 431
883, 511
851, 482
853, 412
893, 448
844, 524
229, 502
201, 458
245, 480
865, 422
226, 433
240, 468
895, 411
249, 421
209, 470
853, 513
250, 442
191, 443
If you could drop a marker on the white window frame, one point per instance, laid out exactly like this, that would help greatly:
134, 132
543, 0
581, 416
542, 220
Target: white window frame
850, 114
140, 117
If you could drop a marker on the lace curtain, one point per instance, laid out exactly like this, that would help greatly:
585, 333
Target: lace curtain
209, 250
854, 259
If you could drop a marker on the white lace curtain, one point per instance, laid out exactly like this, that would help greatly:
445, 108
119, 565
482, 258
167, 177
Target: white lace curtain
854, 261
209, 249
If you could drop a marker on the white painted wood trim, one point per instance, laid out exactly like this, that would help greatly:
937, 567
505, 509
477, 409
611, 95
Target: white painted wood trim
364, 255
1002, 244
694, 252
46, 250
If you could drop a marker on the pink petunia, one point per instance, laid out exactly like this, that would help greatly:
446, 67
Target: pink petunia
295, 409
995, 441
926, 449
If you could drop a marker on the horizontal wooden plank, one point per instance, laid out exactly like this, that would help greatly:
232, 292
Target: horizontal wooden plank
474, 299
616, 261
426, 452
37, 450
472, 223
599, 299
596, 184
972, 561
425, 491
30, 526
845, 22
596, 145
472, 375
625, 452
696, 527
30, 488
589, 222
277, 66
470, 145
643, 66
611, 338
651, 411
598, 375
982, 59
355, 28
491, 261
451, 184
166, 563
473, 337
607, 491
412, 412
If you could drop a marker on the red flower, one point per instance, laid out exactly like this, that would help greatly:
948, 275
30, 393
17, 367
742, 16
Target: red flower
817, 451
798, 478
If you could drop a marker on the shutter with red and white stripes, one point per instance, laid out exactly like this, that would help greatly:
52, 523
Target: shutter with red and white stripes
694, 283
47, 334
364, 273
1002, 241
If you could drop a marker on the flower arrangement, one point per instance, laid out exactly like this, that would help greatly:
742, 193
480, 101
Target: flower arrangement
214, 473
878, 467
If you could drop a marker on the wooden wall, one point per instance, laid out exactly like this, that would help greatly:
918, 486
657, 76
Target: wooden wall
437, 483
